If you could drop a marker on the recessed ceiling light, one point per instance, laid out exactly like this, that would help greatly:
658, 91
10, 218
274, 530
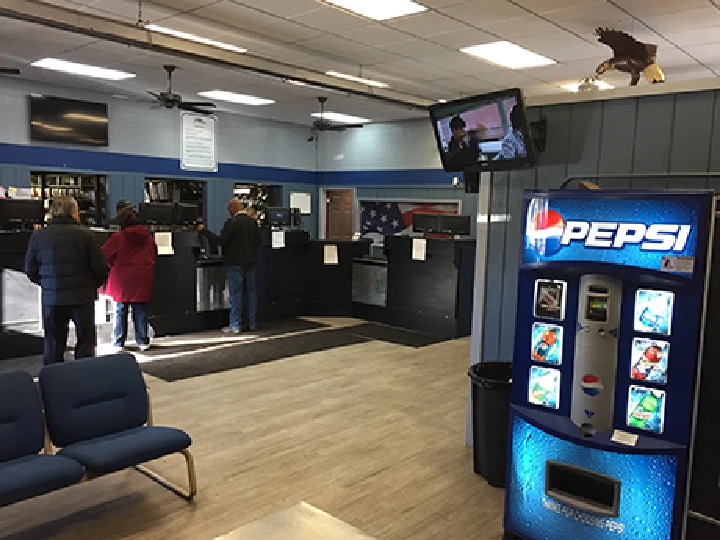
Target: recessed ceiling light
342, 118
509, 55
442, 100
232, 97
84, 70
379, 10
601, 85
193, 37
360, 80
86, 117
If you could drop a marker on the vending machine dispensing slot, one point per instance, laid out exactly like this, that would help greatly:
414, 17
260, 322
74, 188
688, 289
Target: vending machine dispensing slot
583, 489
596, 355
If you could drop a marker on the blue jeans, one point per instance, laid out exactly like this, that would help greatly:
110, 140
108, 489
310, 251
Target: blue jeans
139, 315
241, 279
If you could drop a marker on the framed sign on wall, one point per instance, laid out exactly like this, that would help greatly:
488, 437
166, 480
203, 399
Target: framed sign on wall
198, 145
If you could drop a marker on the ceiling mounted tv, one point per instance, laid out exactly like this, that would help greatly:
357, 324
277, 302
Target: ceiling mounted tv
488, 132
54, 119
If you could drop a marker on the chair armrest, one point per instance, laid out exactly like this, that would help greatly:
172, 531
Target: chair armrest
150, 413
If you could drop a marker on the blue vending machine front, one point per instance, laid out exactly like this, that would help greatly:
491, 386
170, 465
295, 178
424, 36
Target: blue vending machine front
609, 320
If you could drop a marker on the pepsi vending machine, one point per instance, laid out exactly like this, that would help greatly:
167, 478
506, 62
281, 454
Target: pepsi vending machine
610, 316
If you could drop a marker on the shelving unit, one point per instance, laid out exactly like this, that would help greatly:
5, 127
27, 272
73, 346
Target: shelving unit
89, 190
165, 190
259, 198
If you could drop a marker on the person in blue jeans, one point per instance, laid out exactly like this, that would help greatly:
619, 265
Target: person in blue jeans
240, 239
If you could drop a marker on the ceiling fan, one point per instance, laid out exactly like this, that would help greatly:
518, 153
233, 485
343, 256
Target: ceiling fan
169, 100
323, 124
9, 71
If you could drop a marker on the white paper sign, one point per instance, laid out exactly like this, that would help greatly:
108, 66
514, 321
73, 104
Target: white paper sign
303, 201
682, 265
164, 243
419, 249
278, 239
623, 437
198, 144
330, 254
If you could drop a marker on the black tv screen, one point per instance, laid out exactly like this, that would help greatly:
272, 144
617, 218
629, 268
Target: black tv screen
61, 120
488, 132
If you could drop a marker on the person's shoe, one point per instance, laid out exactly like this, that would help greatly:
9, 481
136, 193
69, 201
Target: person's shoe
144, 348
230, 330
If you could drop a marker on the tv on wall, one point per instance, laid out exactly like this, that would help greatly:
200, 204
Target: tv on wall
54, 119
488, 132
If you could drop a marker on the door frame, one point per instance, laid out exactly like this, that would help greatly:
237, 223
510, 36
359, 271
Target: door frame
322, 203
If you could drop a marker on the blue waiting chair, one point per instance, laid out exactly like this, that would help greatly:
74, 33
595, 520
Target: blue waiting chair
24, 472
98, 413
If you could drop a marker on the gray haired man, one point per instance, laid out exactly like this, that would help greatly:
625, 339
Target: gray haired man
69, 266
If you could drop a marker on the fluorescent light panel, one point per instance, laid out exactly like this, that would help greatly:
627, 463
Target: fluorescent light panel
342, 118
193, 37
232, 97
602, 85
508, 55
360, 80
379, 10
83, 70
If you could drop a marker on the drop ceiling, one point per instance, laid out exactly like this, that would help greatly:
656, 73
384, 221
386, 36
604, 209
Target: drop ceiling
417, 55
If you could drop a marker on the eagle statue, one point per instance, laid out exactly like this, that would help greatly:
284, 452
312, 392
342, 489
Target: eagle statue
630, 56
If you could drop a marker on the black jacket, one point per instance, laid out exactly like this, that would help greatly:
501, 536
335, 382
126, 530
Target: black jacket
239, 239
66, 262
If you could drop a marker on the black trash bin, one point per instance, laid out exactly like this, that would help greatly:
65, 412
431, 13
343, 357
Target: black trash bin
491, 382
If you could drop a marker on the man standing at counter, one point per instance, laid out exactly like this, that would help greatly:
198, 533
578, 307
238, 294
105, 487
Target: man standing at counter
240, 238
69, 266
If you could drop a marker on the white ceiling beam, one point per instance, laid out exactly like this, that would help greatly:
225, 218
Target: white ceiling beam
50, 15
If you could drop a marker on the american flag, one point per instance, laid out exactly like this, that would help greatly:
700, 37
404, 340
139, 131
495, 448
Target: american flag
388, 218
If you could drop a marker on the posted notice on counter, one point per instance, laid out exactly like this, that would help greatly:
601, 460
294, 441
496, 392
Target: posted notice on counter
419, 249
164, 243
278, 239
330, 255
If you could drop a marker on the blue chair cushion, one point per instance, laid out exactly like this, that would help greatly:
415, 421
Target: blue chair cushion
30, 476
22, 427
131, 447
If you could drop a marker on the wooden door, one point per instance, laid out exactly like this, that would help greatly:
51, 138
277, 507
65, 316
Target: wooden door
339, 212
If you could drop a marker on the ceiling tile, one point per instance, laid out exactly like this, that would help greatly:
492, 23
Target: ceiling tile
643, 8
562, 46
707, 54
484, 12
440, 3
544, 89
281, 8
544, 6
128, 11
688, 72
424, 24
512, 78
331, 45
685, 21
520, 27
231, 14
375, 35
410, 68
330, 20
183, 5
585, 19
457, 62
458, 87
699, 36
555, 73
462, 38
414, 48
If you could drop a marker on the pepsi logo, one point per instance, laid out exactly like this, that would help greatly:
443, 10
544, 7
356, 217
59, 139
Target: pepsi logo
591, 385
545, 232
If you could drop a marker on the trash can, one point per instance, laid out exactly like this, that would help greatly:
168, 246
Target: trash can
491, 382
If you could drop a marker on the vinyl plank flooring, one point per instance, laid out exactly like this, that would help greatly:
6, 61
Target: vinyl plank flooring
371, 433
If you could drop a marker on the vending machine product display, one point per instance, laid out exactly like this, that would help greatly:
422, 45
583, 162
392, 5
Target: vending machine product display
609, 331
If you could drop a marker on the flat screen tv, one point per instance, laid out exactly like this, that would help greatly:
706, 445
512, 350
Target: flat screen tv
488, 132
54, 119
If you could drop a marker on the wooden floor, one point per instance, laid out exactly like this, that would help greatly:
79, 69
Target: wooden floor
373, 434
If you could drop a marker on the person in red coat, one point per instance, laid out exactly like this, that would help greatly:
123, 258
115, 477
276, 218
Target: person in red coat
131, 255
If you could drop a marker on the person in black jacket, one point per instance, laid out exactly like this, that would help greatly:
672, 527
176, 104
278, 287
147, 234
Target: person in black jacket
69, 266
239, 239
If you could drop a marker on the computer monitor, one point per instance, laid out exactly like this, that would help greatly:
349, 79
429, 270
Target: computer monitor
455, 224
425, 223
21, 213
279, 217
157, 213
187, 213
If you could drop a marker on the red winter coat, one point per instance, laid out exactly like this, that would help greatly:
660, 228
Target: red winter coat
131, 255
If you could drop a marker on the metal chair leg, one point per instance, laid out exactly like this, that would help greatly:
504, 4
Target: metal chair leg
192, 479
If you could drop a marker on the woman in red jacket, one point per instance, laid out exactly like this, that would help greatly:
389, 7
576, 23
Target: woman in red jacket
131, 255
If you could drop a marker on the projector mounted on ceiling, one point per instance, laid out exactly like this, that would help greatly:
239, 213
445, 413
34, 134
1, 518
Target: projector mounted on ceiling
323, 124
169, 100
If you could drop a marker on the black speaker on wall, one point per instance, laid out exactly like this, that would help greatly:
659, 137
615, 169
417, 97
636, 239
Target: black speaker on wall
471, 181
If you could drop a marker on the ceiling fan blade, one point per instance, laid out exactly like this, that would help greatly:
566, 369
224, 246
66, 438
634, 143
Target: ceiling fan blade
190, 108
9, 71
153, 94
336, 128
199, 103
352, 126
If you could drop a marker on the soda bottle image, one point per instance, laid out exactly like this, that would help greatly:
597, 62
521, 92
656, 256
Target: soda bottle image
649, 318
644, 411
539, 393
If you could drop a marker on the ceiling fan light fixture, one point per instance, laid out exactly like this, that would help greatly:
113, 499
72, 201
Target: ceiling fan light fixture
232, 97
378, 10
361, 80
341, 118
507, 55
192, 37
84, 70
576, 87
